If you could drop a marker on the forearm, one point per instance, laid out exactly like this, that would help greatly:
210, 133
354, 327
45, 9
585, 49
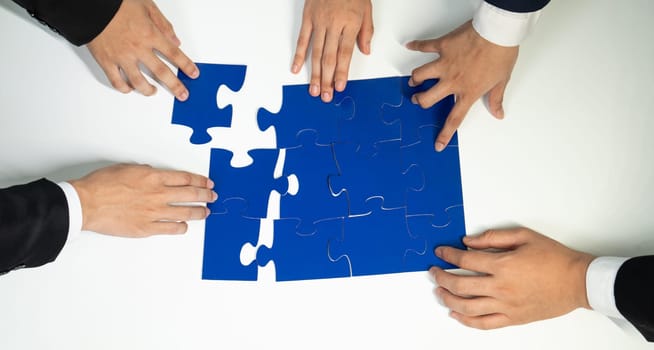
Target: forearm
79, 21
34, 224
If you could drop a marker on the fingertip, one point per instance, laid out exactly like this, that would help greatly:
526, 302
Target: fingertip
214, 196
340, 85
295, 68
195, 73
412, 82
440, 146
183, 96
439, 253
314, 90
210, 183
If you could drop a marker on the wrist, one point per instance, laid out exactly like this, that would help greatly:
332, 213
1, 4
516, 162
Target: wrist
579, 268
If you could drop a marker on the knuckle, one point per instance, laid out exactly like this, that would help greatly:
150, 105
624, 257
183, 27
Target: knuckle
328, 61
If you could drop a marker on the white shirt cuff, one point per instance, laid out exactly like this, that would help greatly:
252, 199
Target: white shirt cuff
74, 211
502, 27
600, 284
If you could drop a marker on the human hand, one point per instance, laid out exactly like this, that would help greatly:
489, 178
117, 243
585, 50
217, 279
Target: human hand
333, 26
468, 66
139, 201
138, 34
532, 278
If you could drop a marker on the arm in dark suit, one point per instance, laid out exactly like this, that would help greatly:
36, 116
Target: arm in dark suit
79, 21
634, 293
33, 224
519, 5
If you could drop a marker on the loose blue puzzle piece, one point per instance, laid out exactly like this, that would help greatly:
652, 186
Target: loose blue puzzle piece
252, 183
436, 232
312, 164
300, 111
376, 243
411, 116
364, 176
200, 111
302, 257
442, 172
366, 126
224, 237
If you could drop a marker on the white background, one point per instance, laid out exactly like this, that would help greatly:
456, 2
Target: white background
573, 159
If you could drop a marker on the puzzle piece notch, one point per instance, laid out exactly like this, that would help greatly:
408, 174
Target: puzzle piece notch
226, 233
364, 176
252, 183
446, 229
442, 172
302, 257
376, 243
312, 164
301, 111
200, 111
411, 116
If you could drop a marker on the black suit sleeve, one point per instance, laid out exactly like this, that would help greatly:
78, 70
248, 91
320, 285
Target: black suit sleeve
79, 21
33, 224
634, 293
519, 5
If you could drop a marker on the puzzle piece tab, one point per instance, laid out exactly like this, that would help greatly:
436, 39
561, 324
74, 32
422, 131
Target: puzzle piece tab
364, 176
300, 111
302, 257
224, 237
441, 170
376, 243
252, 183
200, 111
435, 232
411, 116
312, 164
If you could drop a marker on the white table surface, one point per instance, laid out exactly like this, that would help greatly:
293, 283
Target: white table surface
572, 159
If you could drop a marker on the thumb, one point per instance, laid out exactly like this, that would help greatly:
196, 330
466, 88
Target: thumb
495, 99
497, 239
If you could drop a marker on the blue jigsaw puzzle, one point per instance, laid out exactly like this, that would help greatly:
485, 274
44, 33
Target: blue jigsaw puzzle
363, 175
225, 235
200, 111
251, 183
377, 242
436, 230
312, 164
303, 257
373, 196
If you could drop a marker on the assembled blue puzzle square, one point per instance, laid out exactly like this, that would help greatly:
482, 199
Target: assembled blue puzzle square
371, 195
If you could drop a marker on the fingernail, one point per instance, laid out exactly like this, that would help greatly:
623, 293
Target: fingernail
195, 74
210, 183
314, 90
207, 212
467, 239
411, 82
326, 96
214, 196
440, 146
368, 47
438, 251
295, 68
414, 100
340, 85
183, 96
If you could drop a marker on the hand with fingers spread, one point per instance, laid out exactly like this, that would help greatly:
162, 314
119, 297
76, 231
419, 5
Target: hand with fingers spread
139, 201
527, 277
468, 66
138, 34
332, 27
